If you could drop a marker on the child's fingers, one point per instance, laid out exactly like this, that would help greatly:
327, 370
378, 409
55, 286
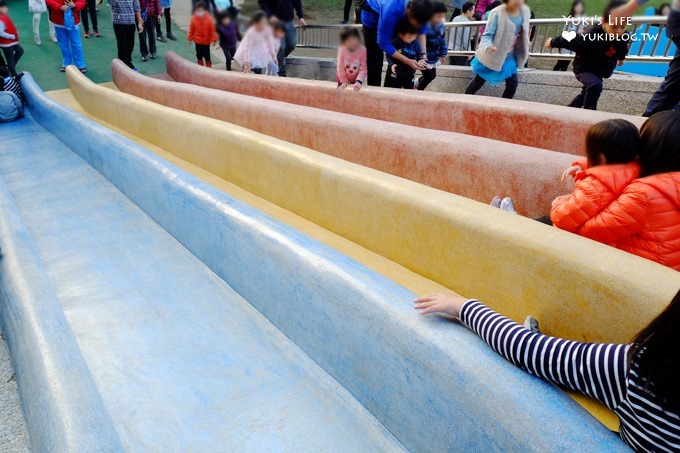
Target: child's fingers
428, 298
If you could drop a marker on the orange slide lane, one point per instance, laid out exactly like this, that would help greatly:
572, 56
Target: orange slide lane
469, 166
532, 124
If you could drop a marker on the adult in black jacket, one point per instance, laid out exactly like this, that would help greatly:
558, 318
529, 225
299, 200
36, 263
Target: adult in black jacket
284, 11
598, 51
667, 97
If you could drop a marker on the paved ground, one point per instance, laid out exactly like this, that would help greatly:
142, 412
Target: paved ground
13, 436
44, 61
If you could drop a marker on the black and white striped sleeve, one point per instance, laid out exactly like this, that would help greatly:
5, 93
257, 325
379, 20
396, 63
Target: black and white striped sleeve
597, 370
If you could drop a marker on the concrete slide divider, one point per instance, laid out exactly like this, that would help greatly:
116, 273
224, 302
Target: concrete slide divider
537, 125
579, 289
63, 408
359, 326
470, 166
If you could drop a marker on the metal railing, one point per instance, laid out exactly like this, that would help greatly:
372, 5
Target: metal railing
650, 43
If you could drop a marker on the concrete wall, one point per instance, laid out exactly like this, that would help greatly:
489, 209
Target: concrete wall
520, 122
473, 167
623, 93
515, 264
357, 325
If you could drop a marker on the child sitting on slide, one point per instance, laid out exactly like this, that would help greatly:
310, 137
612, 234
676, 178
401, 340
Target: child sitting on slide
352, 67
612, 149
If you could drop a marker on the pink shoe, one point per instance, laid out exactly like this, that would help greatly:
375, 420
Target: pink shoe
86, 35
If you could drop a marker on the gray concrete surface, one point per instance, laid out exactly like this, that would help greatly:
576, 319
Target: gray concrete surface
623, 93
13, 436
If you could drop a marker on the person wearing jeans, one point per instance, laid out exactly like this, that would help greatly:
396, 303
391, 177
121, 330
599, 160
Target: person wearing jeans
127, 18
91, 9
283, 11
151, 15
65, 15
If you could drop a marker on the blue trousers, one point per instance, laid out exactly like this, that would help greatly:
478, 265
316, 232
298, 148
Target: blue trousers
71, 46
288, 43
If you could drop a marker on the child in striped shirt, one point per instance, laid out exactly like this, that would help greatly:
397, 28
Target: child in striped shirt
638, 381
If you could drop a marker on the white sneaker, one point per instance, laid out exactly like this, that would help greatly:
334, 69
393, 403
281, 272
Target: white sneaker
496, 202
531, 324
508, 205
36, 39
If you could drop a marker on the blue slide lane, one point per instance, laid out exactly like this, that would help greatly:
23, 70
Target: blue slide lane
192, 311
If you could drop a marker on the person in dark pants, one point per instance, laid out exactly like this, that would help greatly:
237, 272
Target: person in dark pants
598, 52
91, 10
667, 97
127, 19
436, 49
151, 15
227, 30
380, 18
283, 11
166, 5
374, 56
399, 74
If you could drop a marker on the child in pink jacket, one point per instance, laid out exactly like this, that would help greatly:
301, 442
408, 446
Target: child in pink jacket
352, 67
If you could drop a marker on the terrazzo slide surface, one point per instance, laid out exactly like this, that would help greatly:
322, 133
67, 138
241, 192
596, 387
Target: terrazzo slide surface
181, 360
146, 310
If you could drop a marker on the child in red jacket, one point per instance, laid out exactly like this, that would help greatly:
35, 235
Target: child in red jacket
202, 32
9, 39
612, 149
645, 218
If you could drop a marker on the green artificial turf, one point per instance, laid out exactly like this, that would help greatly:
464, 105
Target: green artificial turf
43, 61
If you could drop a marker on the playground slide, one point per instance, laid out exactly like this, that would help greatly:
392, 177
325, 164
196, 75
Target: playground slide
516, 265
228, 331
530, 124
469, 166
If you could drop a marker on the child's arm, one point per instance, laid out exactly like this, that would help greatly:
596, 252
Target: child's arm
558, 42
590, 197
192, 30
4, 34
340, 70
486, 43
363, 71
597, 370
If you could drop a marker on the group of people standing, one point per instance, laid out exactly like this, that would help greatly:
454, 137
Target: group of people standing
130, 18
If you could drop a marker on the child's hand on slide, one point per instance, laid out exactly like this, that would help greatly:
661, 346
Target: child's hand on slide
439, 303
342, 86
246, 68
491, 49
571, 172
357, 86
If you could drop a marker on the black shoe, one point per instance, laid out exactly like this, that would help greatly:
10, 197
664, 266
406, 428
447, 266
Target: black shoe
143, 57
153, 56
161, 38
171, 37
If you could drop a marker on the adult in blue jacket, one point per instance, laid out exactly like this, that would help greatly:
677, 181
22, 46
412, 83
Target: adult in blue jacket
379, 19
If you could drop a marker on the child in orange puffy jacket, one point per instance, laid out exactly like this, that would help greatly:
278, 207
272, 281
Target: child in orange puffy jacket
202, 32
612, 150
645, 218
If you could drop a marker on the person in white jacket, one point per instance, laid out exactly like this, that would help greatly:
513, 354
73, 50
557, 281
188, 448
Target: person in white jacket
38, 8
